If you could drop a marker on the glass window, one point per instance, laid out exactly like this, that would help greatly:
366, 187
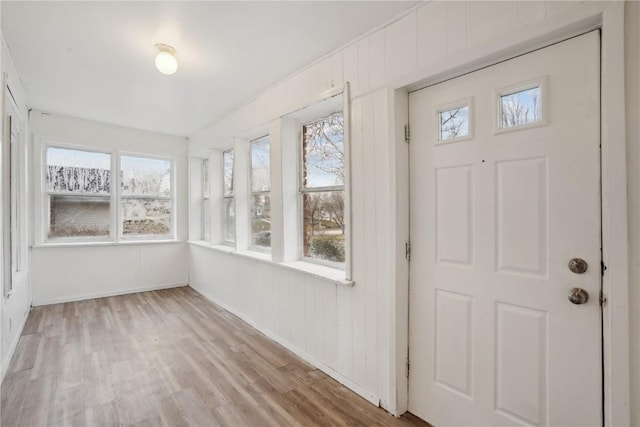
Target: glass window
454, 123
78, 193
229, 206
146, 204
322, 190
261, 193
206, 213
521, 108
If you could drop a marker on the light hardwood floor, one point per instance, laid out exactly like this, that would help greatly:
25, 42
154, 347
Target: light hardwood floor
167, 357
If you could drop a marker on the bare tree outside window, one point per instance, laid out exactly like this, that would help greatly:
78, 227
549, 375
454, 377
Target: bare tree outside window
261, 192
323, 189
78, 193
454, 123
229, 205
521, 108
146, 196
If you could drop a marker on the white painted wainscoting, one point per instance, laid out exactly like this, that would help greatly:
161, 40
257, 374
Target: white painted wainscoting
435, 41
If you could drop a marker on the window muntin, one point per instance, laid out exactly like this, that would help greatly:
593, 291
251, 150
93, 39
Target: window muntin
322, 190
229, 206
206, 209
78, 193
261, 193
145, 192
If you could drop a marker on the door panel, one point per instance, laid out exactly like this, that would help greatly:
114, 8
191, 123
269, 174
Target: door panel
503, 195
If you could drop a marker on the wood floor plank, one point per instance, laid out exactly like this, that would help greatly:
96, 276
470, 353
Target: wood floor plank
167, 358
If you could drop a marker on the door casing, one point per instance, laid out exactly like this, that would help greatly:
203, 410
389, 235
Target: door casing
609, 17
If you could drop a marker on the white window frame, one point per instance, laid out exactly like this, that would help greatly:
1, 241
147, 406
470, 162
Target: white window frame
302, 191
252, 245
206, 197
111, 237
226, 197
120, 197
115, 197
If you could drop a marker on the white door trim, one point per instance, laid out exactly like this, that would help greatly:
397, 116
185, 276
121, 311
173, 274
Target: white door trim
609, 16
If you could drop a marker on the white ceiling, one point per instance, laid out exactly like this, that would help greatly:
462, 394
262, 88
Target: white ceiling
95, 60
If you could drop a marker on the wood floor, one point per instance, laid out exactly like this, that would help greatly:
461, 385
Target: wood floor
170, 358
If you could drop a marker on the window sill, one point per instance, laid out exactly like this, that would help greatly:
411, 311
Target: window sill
329, 274
87, 244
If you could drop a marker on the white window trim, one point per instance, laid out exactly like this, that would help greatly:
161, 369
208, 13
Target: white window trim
317, 112
252, 246
205, 198
115, 233
171, 198
231, 197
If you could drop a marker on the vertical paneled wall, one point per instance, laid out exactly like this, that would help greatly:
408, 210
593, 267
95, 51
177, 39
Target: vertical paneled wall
16, 307
350, 332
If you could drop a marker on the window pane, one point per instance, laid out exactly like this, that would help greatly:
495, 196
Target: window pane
143, 176
454, 123
229, 220
206, 221
205, 178
78, 171
227, 160
324, 225
146, 217
77, 216
261, 220
260, 177
323, 145
520, 108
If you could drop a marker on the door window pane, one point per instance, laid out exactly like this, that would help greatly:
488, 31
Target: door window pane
454, 123
521, 108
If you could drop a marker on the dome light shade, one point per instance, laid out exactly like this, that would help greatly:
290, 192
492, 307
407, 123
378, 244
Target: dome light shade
166, 61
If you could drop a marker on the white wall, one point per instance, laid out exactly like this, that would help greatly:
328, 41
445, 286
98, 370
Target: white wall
355, 333
15, 308
71, 272
632, 41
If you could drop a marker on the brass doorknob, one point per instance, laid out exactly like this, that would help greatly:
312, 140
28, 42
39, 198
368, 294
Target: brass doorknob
578, 296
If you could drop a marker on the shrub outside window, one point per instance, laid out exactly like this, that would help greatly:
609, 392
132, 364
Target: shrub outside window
78, 193
229, 205
322, 190
146, 206
260, 193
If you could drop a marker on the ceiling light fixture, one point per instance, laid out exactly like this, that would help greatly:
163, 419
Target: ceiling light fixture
166, 61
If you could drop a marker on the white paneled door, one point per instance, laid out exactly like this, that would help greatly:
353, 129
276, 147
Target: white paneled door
505, 193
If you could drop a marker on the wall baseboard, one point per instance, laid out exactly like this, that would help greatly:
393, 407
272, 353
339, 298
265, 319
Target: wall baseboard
359, 390
107, 294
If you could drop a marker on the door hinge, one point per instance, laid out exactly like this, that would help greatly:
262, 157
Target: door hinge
407, 133
406, 367
603, 299
603, 268
407, 251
